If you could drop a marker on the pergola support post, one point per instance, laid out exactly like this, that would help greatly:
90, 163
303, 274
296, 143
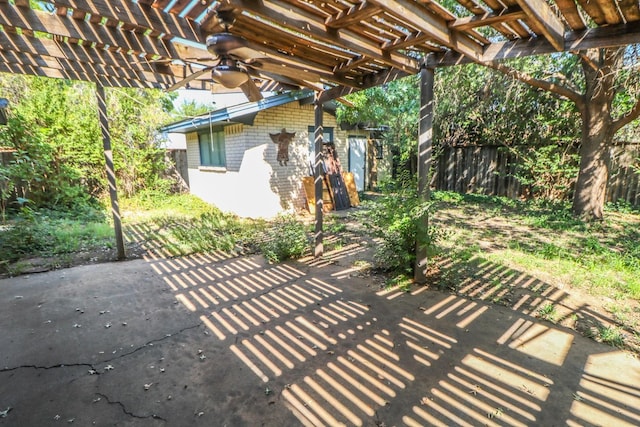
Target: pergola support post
318, 249
425, 140
111, 173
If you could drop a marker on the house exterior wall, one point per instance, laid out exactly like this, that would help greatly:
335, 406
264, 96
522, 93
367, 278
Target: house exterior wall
253, 184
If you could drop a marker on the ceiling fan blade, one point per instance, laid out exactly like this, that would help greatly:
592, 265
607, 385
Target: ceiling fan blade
251, 91
189, 78
246, 53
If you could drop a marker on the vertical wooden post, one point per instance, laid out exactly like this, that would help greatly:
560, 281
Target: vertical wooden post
318, 249
425, 139
111, 174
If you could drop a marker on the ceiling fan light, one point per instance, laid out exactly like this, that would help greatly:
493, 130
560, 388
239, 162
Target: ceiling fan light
229, 76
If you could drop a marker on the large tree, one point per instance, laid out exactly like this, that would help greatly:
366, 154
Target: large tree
602, 83
59, 157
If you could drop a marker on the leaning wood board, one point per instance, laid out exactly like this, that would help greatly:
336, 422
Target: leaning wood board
310, 192
352, 191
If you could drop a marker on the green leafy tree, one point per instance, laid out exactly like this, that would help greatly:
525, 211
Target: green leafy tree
54, 129
604, 86
188, 109
395, 105
476, 105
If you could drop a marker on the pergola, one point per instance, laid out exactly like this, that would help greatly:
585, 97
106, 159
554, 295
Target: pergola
334, 47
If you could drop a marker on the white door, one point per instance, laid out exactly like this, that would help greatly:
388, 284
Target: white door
357, 156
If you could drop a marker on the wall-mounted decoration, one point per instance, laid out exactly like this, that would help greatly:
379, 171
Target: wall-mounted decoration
283, 139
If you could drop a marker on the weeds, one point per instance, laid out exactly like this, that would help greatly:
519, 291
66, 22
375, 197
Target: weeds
611, 335
398, 219
284, 238
48, 233
544, 238
548, 312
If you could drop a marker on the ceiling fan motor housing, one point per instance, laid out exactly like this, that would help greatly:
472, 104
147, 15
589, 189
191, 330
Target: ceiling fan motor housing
221, 44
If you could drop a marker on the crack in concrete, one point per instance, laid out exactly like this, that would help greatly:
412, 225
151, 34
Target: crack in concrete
92, 366
60, 365
127, 412
150, 343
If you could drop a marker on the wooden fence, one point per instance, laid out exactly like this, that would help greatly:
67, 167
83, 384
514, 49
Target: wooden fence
491, 170
178, 169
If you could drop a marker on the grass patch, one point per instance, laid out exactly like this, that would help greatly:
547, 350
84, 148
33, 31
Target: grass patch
285, 238
43, 234
149, 205
548, 312
544, 240
179, 224
611, 335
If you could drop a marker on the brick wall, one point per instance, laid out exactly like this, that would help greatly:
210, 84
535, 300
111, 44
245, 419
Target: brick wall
254, 184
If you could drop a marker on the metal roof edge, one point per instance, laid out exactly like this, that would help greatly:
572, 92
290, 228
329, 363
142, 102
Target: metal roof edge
235, 113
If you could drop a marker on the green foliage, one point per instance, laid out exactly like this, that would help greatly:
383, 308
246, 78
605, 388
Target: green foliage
477, 105
189, 109
151, 200
539, 130
397, 218
622, 205
548, 312
611, 335
210, 231
285, 237
547, 171
183, 224
59, 160
603, 258
49, 233
395, 105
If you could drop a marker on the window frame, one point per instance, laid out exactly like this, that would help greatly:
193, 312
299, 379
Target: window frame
327, 138
213, 141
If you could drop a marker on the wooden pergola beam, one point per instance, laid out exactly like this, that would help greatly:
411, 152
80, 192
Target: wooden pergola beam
352, 16
126, 76
64, 26
487, 19
600, 37
544, 21
433, 25
406, 41
351, 64
372, 81
103, 118
318, 171
281, 14
425, 149
122, 65
68, 74
571, 14
138, 15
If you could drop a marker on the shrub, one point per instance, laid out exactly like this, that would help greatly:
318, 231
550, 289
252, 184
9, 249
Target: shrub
397, 218
284, 238
24, 235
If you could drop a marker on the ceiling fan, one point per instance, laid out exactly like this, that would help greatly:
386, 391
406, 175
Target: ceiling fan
233, 58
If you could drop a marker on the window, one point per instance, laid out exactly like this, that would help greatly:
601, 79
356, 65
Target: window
212, 148
327, 137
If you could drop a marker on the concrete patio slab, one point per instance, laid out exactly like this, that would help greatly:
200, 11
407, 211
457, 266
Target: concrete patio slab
215, 341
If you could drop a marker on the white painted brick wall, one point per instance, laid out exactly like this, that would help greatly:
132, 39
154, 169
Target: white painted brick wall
254, 183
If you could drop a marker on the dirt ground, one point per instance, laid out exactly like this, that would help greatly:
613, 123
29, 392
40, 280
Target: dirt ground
212, 340
574, 307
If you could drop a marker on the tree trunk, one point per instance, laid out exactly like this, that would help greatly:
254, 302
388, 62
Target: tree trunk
591, 185
599, 66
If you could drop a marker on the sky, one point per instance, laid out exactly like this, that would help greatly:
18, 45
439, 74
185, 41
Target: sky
213, 100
